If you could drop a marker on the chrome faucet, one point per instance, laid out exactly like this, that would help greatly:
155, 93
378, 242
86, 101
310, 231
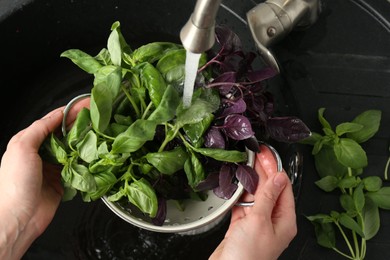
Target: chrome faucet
268, 22
198, 34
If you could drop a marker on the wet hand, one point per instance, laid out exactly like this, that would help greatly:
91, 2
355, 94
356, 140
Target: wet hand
30, 189
265, 230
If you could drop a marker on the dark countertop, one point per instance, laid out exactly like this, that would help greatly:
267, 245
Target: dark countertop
341, 63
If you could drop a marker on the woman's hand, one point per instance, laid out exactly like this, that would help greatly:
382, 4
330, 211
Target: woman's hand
30, 190
265, 230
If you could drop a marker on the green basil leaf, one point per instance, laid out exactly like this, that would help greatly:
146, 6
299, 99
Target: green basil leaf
172, 67
325, 124
195, 132
325, 234
118, 195
371, 219
135, 136
381, 198
58, 149
153, 81
141, 194
166, 110
372, 183
116, 129
103, 57
358, 198
114, 45
327, 164
168, 162
194, 171
327, 183
111, 76
370, 119
83, 60
104, 182
350, 223
312, 139
80, 127
82, 179
349, 182
66, 174
69, 193
153, 51
223, 155
350, 154
123, 120
347, 127
347, 203
100, 107
320, 218
87, 148
198, 110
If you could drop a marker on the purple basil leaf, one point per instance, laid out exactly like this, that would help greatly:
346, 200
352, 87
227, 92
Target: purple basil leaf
226, 82
225, 192
234, 107
248, 177
214, 139
211, 182
260, 75
159, 219
229, 41
238, 127
226, 187
287, 129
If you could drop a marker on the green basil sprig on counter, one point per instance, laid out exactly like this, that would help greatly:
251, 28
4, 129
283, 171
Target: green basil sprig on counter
339, 161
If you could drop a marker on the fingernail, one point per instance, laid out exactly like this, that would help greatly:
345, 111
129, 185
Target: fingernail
280, 180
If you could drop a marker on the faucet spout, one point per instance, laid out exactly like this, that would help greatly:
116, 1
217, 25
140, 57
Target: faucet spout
198, 34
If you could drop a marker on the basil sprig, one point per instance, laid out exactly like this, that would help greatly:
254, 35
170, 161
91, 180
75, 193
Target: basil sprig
340, 160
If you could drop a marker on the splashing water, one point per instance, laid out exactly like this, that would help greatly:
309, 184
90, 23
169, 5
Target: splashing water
191, 68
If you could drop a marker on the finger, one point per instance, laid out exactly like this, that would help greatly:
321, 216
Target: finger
267, 159
264, 159
271, 183
75, 109
34, 135
284, 213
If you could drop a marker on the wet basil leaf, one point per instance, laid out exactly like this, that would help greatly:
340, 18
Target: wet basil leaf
223, 155
152, 52
194, 170
135, 136
166, 110
168, 162
141, 194
87, 148
101, 107
83, 60
153, 81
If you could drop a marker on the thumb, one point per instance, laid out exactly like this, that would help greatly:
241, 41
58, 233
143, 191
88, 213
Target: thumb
34, 135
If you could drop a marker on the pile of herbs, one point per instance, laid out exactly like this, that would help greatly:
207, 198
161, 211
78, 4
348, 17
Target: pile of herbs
137, 143
340, 160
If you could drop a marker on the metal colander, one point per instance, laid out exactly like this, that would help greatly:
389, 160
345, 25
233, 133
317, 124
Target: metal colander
197, 216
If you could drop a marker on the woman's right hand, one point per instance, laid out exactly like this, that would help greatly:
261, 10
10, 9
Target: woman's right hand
264, 230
